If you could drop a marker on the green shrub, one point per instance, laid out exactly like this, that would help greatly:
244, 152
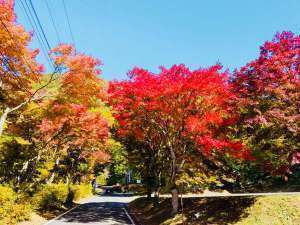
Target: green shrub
51, 196
102, 178
11, 211
7, 200
81, 191
7, 195
20, 212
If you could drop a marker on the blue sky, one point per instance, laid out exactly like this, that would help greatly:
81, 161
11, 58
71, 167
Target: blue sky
150, 33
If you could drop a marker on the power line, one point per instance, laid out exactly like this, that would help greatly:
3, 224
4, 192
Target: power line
5, 60
11, 69
68, 21
34, 26
13, 39
40, 25
53, 22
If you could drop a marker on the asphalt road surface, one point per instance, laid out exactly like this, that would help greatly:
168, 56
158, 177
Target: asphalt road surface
111, 210
98, 210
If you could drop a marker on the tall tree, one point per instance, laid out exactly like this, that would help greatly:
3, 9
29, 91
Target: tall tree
21, 83
268, 90
73, 120
18, 66
178, 112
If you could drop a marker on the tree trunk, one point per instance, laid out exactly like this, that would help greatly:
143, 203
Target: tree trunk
70, 196
149, 190
174, 190
32, 98
24, 169
156, 196
50, 180
174, 193
5, 114
3, 119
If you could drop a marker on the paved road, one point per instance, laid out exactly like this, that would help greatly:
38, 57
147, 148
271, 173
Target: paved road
111, 210
97, 210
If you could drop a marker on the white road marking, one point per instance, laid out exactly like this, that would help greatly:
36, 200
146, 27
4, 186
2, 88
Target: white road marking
127, 214
56, 218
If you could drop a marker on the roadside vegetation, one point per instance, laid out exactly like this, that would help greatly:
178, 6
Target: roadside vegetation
48, 201
271, 210
174, 131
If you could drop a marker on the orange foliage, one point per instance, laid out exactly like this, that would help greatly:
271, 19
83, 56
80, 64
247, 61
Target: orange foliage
18, 67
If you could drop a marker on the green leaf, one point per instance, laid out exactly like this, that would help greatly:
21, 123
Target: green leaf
22, 141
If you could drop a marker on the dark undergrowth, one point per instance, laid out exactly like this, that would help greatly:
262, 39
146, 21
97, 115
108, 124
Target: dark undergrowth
220, 210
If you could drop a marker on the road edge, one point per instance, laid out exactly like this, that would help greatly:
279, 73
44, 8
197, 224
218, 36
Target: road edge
128, 215
76, 206
50, 221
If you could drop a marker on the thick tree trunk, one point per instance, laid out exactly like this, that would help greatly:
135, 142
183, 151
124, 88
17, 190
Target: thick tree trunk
3, 119
149, 190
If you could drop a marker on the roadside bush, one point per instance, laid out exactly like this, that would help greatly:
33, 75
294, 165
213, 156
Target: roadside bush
7, 199
7, 195
12, 212
102, 178
51, 196
81, 191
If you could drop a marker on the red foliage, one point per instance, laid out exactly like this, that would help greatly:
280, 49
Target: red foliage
278, 64
75, 126
268, 91
175, 106
100, 156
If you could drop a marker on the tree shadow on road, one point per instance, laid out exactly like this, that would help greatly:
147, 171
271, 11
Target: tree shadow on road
110, 212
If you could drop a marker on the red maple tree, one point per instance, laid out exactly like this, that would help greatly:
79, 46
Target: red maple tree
179, 111
268, 90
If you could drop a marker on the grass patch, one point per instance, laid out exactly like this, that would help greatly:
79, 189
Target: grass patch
267, 210
274, 210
